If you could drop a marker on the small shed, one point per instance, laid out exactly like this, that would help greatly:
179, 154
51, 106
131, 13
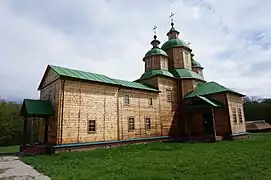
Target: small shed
258, 126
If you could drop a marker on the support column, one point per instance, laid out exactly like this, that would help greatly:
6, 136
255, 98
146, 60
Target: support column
46, 125
25, 131
214, 126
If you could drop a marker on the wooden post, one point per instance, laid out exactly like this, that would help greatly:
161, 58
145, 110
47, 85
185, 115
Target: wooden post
46, 123
214, 128
25, 131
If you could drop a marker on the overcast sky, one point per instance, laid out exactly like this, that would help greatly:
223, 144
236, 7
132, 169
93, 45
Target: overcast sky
231, 39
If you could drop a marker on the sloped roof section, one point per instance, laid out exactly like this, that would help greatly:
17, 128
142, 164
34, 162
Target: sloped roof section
134, 85
37, 108
209, 88
88, 76
183, 73
201, 101
155, 72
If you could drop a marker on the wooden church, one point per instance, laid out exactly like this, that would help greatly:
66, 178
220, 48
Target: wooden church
171, 100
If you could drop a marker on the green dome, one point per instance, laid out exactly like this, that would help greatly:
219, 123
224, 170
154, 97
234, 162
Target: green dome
174, 43
155, 51
196, 64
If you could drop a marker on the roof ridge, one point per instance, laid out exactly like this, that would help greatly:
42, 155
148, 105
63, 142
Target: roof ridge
74, 69
90, 76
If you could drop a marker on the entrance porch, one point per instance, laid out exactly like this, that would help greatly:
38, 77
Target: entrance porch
36, 115
206, 120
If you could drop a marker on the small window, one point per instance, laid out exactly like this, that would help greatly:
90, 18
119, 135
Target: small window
126, 99
150, 101
240, 115
234, 114
131, 123
148, 123
169, 95
91, 126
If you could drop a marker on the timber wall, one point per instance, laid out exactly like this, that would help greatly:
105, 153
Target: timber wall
221, 116
236, 102
84, 101
50, 91
168, 110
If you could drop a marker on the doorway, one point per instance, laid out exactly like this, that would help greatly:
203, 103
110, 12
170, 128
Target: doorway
207, 123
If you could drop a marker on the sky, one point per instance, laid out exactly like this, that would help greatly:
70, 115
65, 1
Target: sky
231, 39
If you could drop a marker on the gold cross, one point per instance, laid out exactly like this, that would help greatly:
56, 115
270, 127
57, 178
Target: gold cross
171, 16
154, 29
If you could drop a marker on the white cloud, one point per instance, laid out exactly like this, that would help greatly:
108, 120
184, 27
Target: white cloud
111, 37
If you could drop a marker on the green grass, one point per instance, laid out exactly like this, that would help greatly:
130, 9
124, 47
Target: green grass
9, 149
239, 159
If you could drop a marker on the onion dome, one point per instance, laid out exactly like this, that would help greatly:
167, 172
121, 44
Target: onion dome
173, 39
195, 64
155, 49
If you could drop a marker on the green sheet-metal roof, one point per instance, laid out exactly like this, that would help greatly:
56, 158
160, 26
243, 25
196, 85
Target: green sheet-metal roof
61, 71
77, 74
154, 72
201, 101
173, 43
38, 108
209, 88
135, 85
155, 51
185, 74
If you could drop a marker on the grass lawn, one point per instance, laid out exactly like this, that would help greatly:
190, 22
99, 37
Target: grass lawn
9, 149
239, 159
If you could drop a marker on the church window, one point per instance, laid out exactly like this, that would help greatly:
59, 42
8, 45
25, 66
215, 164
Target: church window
150, 101
131, 123
148, 123
240, 115
91, 126
126, 99
234, 114
186, 57
148, 63
169, 95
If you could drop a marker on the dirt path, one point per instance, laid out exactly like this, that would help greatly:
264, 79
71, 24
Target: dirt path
11, 168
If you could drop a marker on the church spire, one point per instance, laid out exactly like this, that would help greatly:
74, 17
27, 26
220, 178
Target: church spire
173, 33
155, 42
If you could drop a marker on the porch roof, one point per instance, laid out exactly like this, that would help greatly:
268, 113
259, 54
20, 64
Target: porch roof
201, 101
36, 108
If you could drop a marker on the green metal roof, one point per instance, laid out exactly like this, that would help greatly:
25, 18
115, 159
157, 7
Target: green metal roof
196, 64
173, 43
201, 101
185, 74
154, 72
61, 71
72, 73
209, 88
135, 85
155, 51
38, 108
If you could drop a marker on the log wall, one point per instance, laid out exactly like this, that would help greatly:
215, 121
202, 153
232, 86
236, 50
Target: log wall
221, 116
84, 101
167, 109
139, 108
234, 103
50, 91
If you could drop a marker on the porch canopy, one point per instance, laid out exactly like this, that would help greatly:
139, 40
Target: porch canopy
36, 108
203, 102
